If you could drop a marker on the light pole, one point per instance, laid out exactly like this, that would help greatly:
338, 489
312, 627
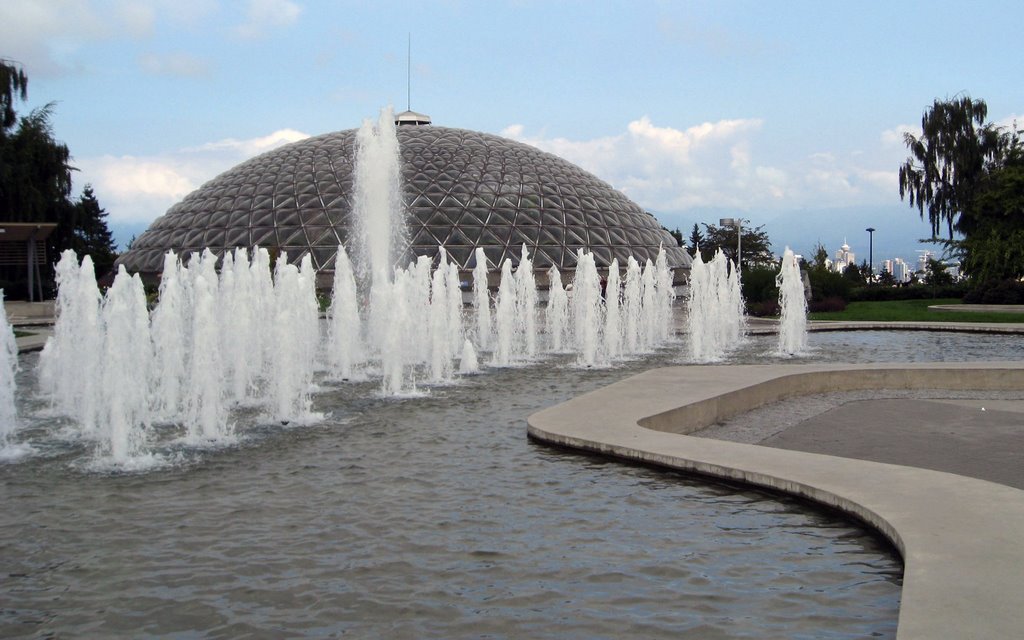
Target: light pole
738, 224
871, 253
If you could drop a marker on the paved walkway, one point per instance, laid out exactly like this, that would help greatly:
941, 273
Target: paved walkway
978, 438
959, 536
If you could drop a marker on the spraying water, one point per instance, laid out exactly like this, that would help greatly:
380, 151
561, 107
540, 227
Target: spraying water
613, 319
8, 368
793, 321
127, 356
378, 212
504, 312
556, 320
526, 304
481, 300
344, 326
714, 322
205, 406
586, 310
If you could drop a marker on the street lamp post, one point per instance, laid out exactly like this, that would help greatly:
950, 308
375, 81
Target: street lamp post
871, 253
738, 224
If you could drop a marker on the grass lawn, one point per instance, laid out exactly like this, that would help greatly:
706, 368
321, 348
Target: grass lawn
913, 311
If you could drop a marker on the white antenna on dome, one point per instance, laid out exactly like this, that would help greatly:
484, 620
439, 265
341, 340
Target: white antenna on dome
409, 116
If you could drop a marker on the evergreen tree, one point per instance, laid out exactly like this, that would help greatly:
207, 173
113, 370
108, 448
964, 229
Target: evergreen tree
696, 240
35, 181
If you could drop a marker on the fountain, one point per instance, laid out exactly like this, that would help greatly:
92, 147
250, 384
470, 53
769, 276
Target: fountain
8, 369
230, 355
793, 304
714, 321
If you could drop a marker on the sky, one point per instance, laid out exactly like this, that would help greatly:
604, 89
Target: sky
789, 115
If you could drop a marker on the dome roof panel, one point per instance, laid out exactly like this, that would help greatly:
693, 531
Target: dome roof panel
462, 187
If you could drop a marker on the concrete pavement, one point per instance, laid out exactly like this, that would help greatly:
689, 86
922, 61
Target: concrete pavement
959, 536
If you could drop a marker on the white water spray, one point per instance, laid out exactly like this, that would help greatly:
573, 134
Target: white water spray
793, 303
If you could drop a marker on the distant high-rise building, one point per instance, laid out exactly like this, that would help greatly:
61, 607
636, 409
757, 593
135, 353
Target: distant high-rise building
844, 258
900, 270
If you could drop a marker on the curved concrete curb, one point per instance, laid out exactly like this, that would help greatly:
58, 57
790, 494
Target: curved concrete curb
960, 538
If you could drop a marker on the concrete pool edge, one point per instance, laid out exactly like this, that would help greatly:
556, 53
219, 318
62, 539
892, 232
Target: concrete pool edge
959, 537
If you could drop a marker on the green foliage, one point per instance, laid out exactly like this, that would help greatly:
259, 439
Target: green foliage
997, 292
13, 84
994, 251
907, 292
760, 291
697, 242
757, 248
35, 180
948, 160
937, 274
820, 258
677, 234
855, 275
913, 311
828, 284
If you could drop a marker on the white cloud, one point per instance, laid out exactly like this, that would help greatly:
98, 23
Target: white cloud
265, 15
894, 137
719, 164
140, 189
174, 64
46, 36
664, 168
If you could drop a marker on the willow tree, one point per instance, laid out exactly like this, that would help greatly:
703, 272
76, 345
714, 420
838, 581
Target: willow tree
947, 162
13, 84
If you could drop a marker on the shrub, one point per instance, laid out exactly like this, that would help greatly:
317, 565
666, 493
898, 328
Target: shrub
828, 284
758, 285
832, 304
997, 292
765, 308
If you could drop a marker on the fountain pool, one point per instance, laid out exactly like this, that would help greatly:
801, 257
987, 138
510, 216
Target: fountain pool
434, 517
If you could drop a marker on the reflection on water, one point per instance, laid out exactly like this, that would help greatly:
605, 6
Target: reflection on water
435, 517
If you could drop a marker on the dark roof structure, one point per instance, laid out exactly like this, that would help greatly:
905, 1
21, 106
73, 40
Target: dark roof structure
462, 189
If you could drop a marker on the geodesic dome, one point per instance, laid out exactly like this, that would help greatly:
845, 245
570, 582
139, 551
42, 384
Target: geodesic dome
463, 189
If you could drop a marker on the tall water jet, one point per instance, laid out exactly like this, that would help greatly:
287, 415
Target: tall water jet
70, 364
714, 321
504, 316
455, 332
127, 357
205, 408
344, 327
378, 212
526, 304
393, 354
586, 309
8, 369
242, 364
437, 319
481, 301
793, 303
649, 329
297, 333
171, 335
666, 296
631, 307
556, 319
612, 313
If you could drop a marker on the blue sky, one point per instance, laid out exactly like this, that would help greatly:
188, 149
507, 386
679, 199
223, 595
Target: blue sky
789, 114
